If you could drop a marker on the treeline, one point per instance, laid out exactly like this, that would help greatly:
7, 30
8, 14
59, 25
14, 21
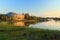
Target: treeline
7, 17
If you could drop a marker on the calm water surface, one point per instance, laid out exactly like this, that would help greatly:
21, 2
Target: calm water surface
51, 25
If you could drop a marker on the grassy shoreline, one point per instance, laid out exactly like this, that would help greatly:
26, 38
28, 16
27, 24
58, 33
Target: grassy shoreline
25, 33
10, 32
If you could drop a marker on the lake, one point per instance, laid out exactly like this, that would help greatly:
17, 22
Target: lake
50, 25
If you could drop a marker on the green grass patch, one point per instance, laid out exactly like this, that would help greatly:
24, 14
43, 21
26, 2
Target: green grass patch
10, 32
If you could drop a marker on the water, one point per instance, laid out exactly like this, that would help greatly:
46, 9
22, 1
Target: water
50, 25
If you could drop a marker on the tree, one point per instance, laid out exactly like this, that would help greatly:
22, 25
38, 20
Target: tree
27, 16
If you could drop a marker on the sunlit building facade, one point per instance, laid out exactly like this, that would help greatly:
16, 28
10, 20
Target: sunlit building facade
18, 17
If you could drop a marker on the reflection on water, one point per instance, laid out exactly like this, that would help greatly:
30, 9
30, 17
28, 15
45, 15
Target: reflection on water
22, 23
51, 25
19, 23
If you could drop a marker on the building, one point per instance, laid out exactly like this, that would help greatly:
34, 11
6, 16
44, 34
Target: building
18, 17
14, 16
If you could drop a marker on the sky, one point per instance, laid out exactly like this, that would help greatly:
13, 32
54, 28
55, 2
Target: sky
44, 8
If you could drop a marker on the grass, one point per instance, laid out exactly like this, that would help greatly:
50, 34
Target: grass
9, 32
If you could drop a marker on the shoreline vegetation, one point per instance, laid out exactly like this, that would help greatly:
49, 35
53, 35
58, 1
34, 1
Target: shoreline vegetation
25, 33
10, 32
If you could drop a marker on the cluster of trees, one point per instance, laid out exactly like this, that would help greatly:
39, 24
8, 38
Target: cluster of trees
38, 19
28, 17
4, 17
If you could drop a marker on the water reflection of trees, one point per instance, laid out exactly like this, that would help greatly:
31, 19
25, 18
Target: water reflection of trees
21, 23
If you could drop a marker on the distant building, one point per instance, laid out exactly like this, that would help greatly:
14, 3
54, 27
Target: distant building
18, 17
10, 14
15, 16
